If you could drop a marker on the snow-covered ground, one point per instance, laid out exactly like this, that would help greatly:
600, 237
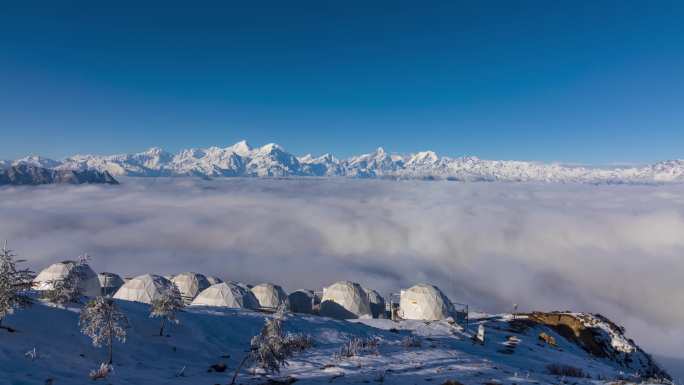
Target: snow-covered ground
511, 354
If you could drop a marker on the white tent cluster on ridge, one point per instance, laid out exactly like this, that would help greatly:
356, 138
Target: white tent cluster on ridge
341, 300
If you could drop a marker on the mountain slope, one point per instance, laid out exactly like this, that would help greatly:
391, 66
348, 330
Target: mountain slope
440, 351
272, 160
27, 174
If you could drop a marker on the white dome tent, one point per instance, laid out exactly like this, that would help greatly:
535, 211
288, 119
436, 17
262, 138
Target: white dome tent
109, 282
377, 303
269, 295
213, 280
226, 294
190, 285
345, 300
143, 288
425, 302
301, 301
88, 282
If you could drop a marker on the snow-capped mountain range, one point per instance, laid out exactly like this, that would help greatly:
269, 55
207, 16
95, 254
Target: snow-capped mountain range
272, 160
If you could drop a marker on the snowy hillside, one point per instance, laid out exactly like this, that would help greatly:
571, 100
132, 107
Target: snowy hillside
408, 352
272, 160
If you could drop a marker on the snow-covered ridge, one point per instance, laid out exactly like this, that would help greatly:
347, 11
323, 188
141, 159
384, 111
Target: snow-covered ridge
512, 352
272, 160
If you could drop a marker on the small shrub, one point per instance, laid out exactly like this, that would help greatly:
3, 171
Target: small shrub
102, 372
357, 346
298, 342
32, 354
412, 342
565, 370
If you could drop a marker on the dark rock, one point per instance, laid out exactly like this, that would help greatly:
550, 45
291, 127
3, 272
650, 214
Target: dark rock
280, 381
218, 368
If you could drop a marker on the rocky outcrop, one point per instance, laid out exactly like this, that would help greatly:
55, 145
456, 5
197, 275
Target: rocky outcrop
601, 338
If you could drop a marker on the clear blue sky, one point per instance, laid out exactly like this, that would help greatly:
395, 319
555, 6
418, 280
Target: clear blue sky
588, 82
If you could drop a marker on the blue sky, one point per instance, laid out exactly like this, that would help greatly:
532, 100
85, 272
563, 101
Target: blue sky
599, 82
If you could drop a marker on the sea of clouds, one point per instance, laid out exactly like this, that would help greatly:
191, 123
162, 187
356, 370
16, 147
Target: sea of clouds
617, 250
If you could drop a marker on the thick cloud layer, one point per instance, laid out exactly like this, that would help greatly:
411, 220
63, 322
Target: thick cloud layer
618, 250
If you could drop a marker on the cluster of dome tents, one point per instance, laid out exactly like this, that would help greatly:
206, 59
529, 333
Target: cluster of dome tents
341, 300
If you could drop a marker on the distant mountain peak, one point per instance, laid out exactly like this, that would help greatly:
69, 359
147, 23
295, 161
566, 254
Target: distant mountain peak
270, 147
154, 151
36, 160
425, 157
241, 148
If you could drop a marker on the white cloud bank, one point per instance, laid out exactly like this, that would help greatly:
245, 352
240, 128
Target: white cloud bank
618, 250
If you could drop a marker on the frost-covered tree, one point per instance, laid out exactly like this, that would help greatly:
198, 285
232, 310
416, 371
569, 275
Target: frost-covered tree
14, 284
166, 306
270, 348
69, 289
103, 321
65, 290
